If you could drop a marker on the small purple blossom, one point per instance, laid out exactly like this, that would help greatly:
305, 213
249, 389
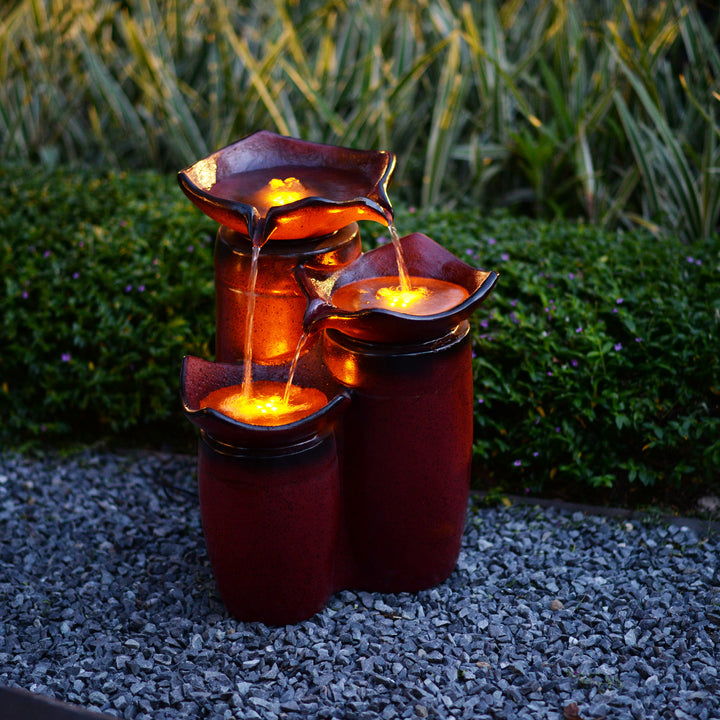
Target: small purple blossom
191, 248
574, 362
141, 288
638, 339
76, 275
25, 294
513, 303
491, 241
618, 347
484, 323
571, 276
690, 259
505, 257
481, 401
536, 453
66, 357
578, 330
46, 254
517, 463
128, 288
620, 301
557, 429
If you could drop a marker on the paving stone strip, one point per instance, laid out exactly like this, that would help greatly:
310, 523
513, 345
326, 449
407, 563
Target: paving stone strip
107, 601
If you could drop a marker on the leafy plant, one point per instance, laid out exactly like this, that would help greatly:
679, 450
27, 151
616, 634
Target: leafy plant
601, 109
596, 366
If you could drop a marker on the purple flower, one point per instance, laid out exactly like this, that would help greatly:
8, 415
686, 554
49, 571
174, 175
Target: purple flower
504, 257
578, 330
698, 262
557, 429
25, 294
517, 463
141, 288
618, 347
513, 303
191, 248
571, 276
549, 372
536, 453
480, 401
690, 259
128, 288
484, 323
620, 301
638, 339
491, 241
574, 362
46, 254
76, 275
66, 357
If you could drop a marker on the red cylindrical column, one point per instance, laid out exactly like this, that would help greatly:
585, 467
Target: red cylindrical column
407, 457
270, 518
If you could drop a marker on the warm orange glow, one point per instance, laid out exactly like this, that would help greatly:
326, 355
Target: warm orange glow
282, 192
427, 296
398, 299
265, 404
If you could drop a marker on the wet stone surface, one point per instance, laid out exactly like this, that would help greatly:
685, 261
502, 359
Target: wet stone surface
107, 601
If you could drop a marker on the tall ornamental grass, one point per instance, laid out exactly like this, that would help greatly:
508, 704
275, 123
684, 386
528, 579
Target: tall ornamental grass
600, 108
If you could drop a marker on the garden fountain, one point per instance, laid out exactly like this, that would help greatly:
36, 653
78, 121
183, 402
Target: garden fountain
336, 419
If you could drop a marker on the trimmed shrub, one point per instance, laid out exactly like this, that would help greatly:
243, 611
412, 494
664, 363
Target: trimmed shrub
597, 369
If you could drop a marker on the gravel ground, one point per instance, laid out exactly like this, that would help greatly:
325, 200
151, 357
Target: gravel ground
107, 601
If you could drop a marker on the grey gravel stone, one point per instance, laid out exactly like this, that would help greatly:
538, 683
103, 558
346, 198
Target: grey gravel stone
107, 600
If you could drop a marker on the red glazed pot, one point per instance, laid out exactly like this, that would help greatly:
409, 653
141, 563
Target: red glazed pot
407, 455
269, 500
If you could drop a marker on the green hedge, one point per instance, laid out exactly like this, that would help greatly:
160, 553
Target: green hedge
596, 359
107, 284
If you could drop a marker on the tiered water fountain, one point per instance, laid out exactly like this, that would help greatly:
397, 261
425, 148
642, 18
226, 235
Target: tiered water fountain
336, 420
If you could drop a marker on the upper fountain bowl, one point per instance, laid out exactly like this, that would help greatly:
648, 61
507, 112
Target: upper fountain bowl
269, 186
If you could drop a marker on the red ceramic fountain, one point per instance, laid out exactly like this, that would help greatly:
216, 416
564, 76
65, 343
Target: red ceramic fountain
336, 420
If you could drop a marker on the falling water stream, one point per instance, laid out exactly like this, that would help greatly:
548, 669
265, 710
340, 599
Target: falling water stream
249, 319
402, 268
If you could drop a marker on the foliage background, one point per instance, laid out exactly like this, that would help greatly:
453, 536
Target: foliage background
593, 124
600, 108
597, 372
